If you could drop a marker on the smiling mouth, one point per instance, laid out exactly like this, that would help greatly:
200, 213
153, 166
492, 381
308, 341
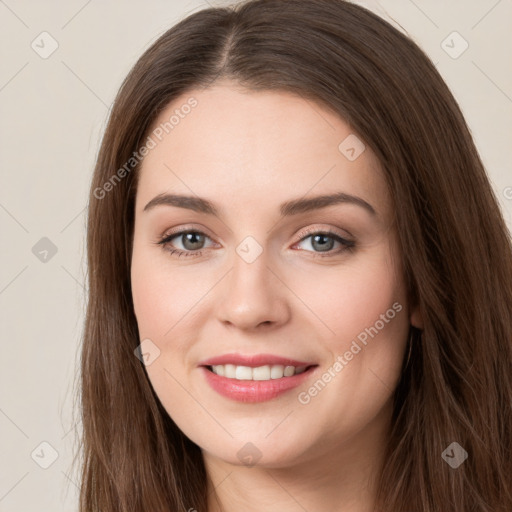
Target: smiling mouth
259, 373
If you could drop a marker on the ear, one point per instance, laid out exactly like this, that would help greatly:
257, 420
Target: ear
416, 317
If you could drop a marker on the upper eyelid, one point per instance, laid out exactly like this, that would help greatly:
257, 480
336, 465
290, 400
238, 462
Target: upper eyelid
168, 235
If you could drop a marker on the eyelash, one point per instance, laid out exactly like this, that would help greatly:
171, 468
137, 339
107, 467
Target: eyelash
347, 245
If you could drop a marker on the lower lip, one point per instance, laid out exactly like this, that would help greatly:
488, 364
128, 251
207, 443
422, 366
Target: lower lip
251, 391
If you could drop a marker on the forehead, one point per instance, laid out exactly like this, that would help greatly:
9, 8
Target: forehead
256, 147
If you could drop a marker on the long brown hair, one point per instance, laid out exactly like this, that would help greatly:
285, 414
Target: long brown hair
455, 248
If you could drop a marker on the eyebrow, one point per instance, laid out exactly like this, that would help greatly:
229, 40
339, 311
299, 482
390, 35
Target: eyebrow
288, 208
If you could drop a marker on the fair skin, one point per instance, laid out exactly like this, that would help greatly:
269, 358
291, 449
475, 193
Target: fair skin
247, 153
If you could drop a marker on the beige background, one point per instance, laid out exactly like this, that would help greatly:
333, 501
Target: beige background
52, 114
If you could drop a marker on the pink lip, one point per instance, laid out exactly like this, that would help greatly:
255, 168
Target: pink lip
253, 360
253, 390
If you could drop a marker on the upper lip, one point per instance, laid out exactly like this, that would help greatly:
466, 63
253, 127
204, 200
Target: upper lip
253, 360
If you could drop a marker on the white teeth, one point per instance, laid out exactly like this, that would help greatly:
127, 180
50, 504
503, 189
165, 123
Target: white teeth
267, 372
261, 373
289, 371
219, 369
277, 371
229, 371
243, 373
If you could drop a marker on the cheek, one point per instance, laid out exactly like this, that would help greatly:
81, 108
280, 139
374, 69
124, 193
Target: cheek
163, 307
161, 297
347, 299
362, 312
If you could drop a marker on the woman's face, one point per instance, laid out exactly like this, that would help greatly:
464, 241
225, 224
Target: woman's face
297, 303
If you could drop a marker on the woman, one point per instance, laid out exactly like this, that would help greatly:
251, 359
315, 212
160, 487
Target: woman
290, 227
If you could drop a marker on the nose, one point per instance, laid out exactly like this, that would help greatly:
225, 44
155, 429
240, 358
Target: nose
253, 296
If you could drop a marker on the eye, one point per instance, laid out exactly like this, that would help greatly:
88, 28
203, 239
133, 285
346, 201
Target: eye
324, 241
192, 241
